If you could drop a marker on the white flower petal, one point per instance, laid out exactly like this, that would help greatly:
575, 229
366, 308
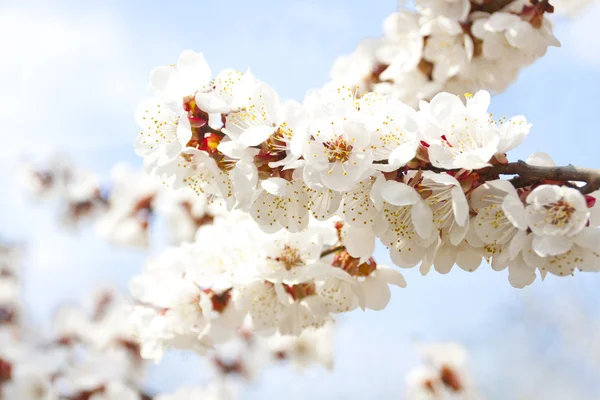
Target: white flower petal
460, 206
277, 187
256, 135
540, 159
514, 210
399, 194
360, 242
422, 219
520, 274
390, 276
551, 245
377, 294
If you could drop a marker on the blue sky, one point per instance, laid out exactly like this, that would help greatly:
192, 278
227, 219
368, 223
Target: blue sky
72, 73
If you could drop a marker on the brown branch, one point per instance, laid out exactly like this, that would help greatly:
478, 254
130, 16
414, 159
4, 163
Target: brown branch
526, 174
490, 6
332, 250
530, 174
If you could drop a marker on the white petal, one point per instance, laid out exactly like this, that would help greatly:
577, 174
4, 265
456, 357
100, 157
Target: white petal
540, 159
520, 275
512, 133
445, 259
360, 242
460, 206
551, 245
545, 194
377, 294
316, 306
160, 76
480, 102
514, 210
457, 233
211, 103
440, 156
444, 106
277, 187
422, 218
403, 154
469, 259
256, 135
236, 150
399, 194
500, 21
391, 276
588, 238
517, 244
441, 178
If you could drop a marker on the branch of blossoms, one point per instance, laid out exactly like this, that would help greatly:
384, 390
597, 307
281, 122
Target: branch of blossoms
91, 354
427, 183
527, 174
208, 293
88, 356
444, 374
454, 46
10, 285
313, 186
123, 208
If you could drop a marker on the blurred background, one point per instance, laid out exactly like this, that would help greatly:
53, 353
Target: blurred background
72, 72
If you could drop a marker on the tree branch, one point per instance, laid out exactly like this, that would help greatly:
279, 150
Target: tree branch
490, 6
527, 174
332, 250
530, 174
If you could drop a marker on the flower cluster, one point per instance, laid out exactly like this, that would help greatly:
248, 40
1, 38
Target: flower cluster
443, 375
90, 355
425, 182
10, 301
80, 193
204, 294
124, 207
454, 46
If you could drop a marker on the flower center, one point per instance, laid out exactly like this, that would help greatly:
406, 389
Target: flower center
559, 213
219, 300
290, 257
5, 371
338, 149
301, 291
450, 379
353, 266
276, 143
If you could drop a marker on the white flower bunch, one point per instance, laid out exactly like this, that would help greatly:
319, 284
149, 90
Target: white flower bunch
201, 295
124, 207
10, 285
443, 375
90, 355
425, 182
454, 46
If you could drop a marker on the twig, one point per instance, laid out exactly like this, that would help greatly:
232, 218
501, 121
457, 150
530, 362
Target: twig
531, 174
332, 250
527, 174
490, 6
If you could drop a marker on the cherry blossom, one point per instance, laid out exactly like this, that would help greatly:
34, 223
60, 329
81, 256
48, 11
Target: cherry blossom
455, 46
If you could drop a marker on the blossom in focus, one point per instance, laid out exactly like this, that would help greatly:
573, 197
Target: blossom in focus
463, 136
